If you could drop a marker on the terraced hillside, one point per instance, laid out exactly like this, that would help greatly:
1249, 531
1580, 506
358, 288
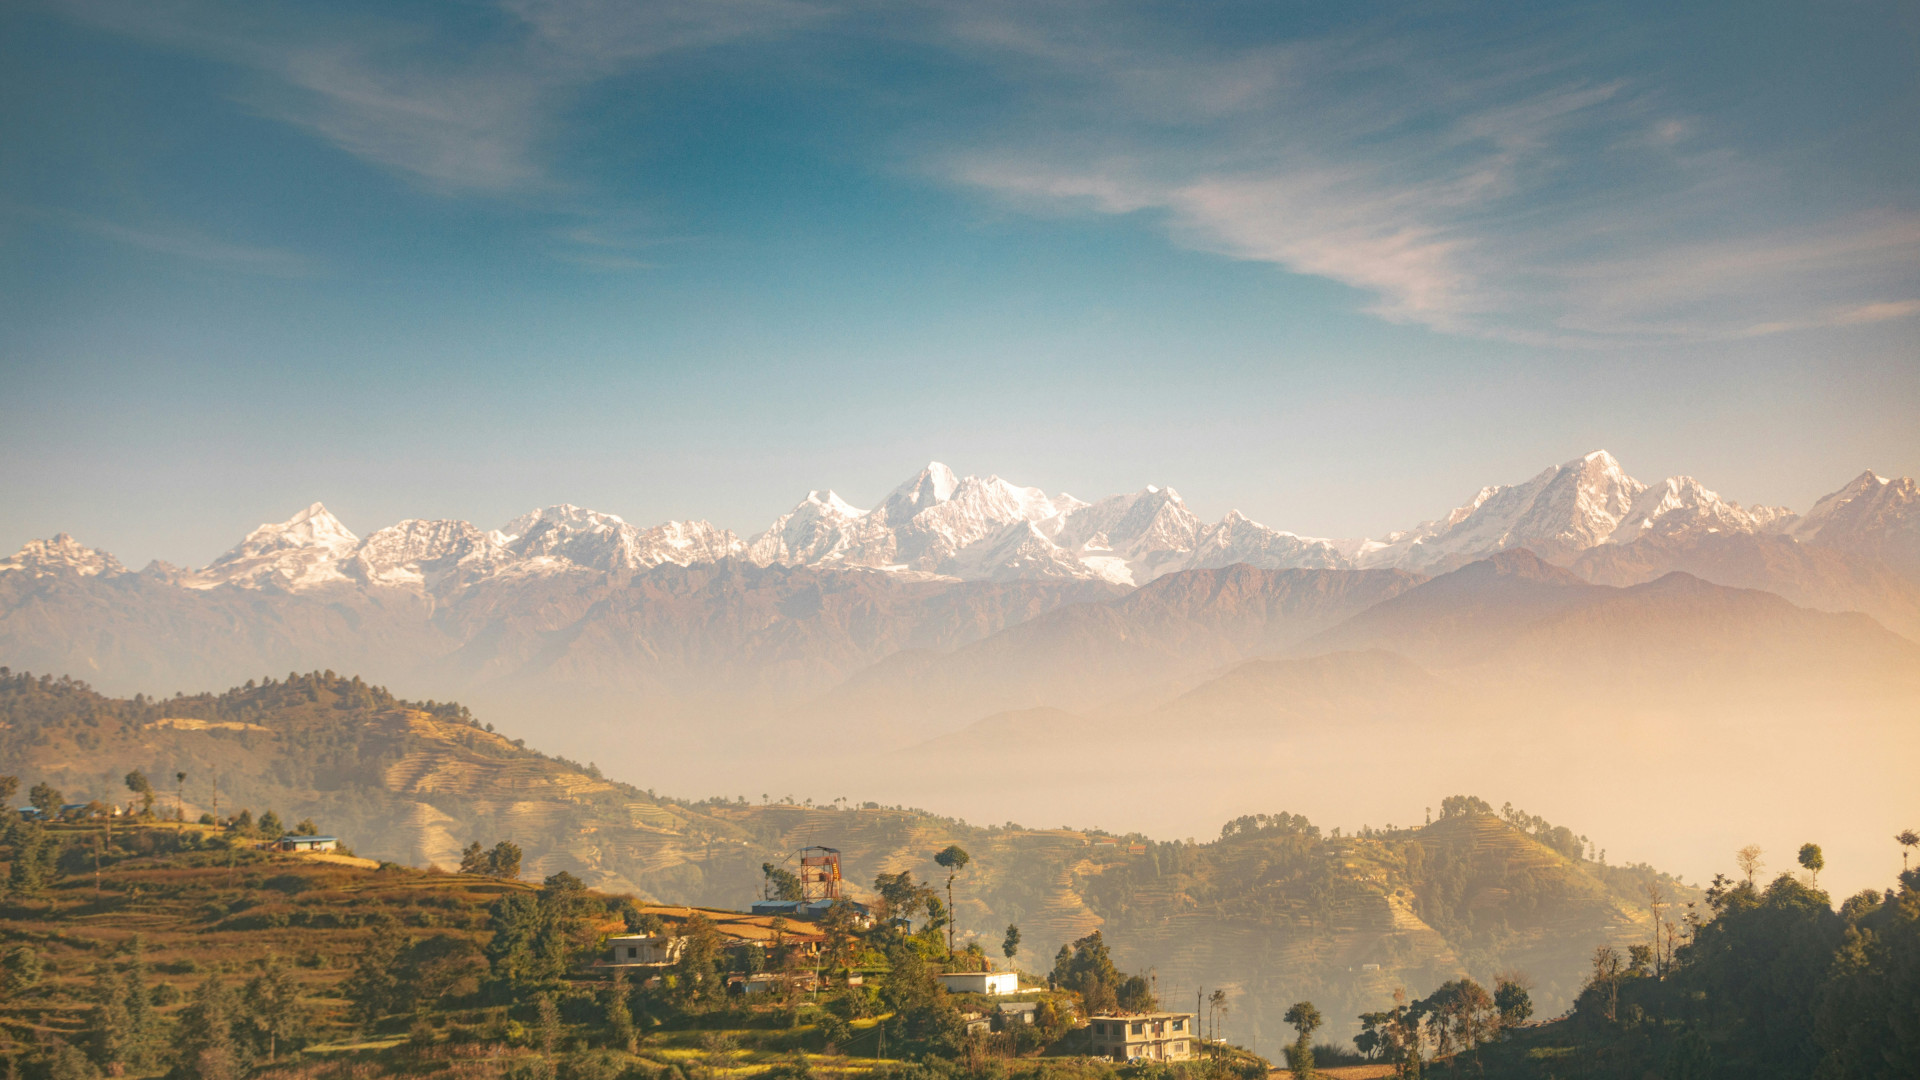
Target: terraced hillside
1273, 911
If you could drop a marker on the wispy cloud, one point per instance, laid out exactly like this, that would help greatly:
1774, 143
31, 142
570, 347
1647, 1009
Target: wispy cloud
1537, 187
180, 241
453, 106
1520, 193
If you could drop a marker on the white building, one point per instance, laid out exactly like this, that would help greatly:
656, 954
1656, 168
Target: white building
981, 982
643, 950
1156, 1036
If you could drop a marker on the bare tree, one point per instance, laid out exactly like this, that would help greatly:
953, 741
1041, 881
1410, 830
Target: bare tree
1657, 902
1749, 861
1908, 841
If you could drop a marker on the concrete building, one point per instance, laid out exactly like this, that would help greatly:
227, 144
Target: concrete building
644, 950
1014, 1014
307, 843
1152, 1036
981, 982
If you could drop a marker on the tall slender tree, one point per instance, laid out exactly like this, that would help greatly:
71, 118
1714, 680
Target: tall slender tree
1813, 861
1305, 1020
954, 858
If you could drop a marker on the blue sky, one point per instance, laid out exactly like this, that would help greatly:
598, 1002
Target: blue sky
1334, 265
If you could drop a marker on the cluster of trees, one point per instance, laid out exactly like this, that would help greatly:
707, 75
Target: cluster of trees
1558, 837
1281, 824
1773, 982
1459, 1016
1086, 968
222, 1034
502, 860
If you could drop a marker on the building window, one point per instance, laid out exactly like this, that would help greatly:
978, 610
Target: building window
632, 952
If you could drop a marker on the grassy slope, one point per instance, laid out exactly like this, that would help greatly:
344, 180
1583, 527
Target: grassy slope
1273, 918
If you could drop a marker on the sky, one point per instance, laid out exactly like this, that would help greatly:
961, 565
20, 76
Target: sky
1334, 265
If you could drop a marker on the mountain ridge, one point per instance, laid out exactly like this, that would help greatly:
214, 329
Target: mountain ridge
986, 528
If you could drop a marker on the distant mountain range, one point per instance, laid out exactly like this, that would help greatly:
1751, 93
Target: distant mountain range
987, 529
954, 599
995, 650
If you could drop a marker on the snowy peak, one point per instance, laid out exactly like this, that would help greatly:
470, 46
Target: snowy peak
1682, 504
424, 554
567, 535
313, 527
61, 555
1558, 514
811, 532
308, 549
1873, 516
934, 485
989, 528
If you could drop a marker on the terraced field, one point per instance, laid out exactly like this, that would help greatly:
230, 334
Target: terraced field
1272, 916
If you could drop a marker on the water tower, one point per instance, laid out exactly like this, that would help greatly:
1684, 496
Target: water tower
819, 873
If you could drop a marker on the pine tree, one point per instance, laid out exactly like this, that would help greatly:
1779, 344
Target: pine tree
273, 1003
204, 1040
620, 1031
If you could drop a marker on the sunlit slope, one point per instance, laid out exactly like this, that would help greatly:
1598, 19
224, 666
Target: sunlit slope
1274, 913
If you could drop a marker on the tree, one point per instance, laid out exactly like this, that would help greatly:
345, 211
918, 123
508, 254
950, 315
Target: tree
204, 1037
840, 925
1010, 946
1216, 1008
696, 974
20, 970
45, 798
782, 884
1606, 965
272, 1005
504, 860
1813, 861
1305, 1020
1749, 861
9, 787
1512, 1000
373, 989
620, 1031
1088, 971
1907, 838
1394, 1034
270, 827
900, 897
1463, 1015
1135, 994
473, 860
547, 1021
179, 796
138, 783
954, 859
35, 860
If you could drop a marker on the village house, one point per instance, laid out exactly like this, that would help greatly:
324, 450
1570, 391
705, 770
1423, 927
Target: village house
306, 843
981, 982
766, 982
1014, 1014
1149, 1036
644, 950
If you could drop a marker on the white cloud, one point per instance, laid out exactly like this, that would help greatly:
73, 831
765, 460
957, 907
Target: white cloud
1503, 193
452, 109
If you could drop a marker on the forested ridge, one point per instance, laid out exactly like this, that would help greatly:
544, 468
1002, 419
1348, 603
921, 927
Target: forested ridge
1272, 909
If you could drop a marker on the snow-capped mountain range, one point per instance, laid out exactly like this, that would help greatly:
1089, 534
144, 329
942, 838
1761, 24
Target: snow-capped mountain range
972, 528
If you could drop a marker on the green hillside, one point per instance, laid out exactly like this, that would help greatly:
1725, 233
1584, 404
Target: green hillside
1272, 911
